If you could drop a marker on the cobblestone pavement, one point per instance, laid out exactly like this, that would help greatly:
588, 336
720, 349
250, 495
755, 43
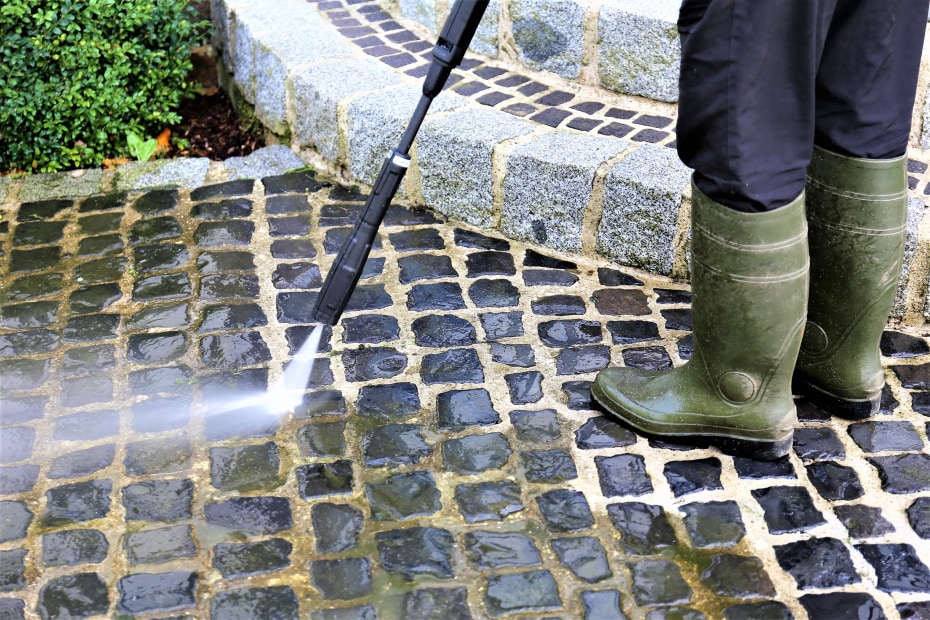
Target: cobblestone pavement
445, 462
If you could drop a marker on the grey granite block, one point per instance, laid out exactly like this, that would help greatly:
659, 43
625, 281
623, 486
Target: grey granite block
459, 142
5, 185
915, 212
639, 50
61, 184
548, 185
486, 37
278, 55
421, 11
266, 162
221, 13
318, 91
549, 34
377, 122
641, 202
164, 172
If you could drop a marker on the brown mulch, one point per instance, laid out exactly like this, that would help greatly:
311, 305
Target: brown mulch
209, 123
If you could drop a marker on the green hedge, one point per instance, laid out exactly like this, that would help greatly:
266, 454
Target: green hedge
77, 75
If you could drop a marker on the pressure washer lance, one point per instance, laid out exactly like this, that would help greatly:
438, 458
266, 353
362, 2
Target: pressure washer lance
448, 52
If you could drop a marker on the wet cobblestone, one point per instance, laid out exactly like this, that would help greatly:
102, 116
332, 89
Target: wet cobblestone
445, 461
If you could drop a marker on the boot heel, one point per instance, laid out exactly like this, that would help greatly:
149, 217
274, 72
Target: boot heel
846, 408
759, 450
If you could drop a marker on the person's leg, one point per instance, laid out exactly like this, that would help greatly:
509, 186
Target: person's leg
857, 198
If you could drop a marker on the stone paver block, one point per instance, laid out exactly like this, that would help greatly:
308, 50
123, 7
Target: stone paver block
549, 34
376, 122
269, 161
641, 203
915, 212
323, 88
486, 39
44, 186
548, 186
639, 50
464, 141
421, 11
181, 172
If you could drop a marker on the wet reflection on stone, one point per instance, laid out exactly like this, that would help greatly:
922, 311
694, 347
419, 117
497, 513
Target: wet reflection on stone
565, 510
658, 582
81, 595
237, 316
245, 468
488, 501
788, 509
167, 286
644, 528
156, 201
38, 233
438, 296
155, 229
73, 547
834, 481
584, 557
82, 462
475, 454
714, 524
235, 560
737, 576
522, 592
897, 567
160, 257
337, 527
689, 476
395, 444
403, 496
100, 270
818, 563
489, 550
536, 427
416, 551
493, 293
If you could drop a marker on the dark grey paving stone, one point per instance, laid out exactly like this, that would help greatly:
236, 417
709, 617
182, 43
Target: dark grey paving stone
234, 350
658, 582
278, 602
18, 479
106, 269
156, 201
38, 233
425, 267
532, 258
103, 202
437, 604
342, 579
888, 403
714, 524
219, 286
487, 550
474, 454
12, 570
229, 208
461, 409
919, 610
690, 476
373, 363
623, 474
518, 355
602, 432
255, 516
157, 456
156, 348
524, 387
171, 316
42, 209
17, 410
144, 592
321, 403
366, 298
154, 229
808, 412
621, 302
493, 293
370, 329
162, 287
752, 469
16, 442
437, 330
488, 501
920, 403
851, 605
291, 226
499, 325
235, 560
818, 443
298, 335
533, 591
336, 238
244, 423
29, 316
293, 182
29, 288
916, 377
673, 296
89, 328
886, 436
863, 521
417, 551
767, 610
12, 609
324, 479
897, 567
919, 516
558, 305
489, 263
788, 509
536, 427
393, 445
582, 360
160, 545
602, 605
834, 481
158, 500
469, 239
905, 473
677, 318
228, 232
292, 248
82, 462
390, 402
241, 187
28, 343
548, 277
86, 390
548, 466
291, 203
15, 518
647, 358
644, 528
40, 259
417, 239
901, 345
403, 496
161, 413
565, 510
24, 375
584, 556
221, 261
738, 576
245, 468
442, 296
232, 316
81, 595
569, 332
579, 395
77, 502
675, 613
321, 440
337, 526
817, 563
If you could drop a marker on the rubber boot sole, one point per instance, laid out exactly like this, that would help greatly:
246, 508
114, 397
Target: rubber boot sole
761, 450
848, 409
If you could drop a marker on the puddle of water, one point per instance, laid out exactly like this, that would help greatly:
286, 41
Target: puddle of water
286, 394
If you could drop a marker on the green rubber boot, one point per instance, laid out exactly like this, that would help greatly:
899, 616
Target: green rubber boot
857, 210
749, 277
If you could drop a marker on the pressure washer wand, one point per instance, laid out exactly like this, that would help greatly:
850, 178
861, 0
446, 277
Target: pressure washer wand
448, 52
